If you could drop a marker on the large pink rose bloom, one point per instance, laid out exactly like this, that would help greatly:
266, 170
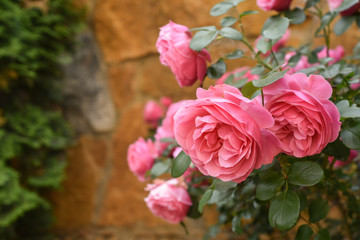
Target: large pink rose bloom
305, 120
333, 4
186, 64
278, 5
166, 130
168, 200
238, 74
153, 112
140, 157
224, 133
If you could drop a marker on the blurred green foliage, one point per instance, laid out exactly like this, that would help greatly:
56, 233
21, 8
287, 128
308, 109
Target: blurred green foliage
33, 133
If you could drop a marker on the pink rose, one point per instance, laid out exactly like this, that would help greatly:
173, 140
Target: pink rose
140, 157
278, 5
186, 64
337, 54
224, 133
166, 101
338, 163
301, 64
305, 120
333, 4
355, 86
168, 200
278, 45
238, 74
153, 113
166, 129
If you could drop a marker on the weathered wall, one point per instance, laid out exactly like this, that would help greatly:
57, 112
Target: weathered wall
115, 71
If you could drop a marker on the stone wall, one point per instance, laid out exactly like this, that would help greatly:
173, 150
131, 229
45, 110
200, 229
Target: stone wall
114, 72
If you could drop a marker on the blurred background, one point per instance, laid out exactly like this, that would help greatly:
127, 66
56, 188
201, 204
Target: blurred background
74, 78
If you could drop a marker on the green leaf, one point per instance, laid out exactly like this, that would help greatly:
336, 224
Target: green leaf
302, 197
221, 8
205, 28
304, 233
193, 210
284, 210
323, 234
267, 185
338, 150
318, 209
245, 13
346, 4
269, 78
205, 198
231, 33
310, 3
235, 54
275, 27
249, 89
236, 2
216, 70
350, 136
202, 39
223, 186
346, 111
263, 45
343, 24
228, 21
296, 16
180, 164
236, 225
325, 20
305, 173
160, 168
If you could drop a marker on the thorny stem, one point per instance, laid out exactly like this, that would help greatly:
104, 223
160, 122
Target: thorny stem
326, 31
275, 58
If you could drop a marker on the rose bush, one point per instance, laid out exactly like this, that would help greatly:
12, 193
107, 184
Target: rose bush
225, 133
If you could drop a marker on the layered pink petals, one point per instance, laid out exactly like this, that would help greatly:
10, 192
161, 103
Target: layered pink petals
186, 64
278, 5
237, 75
168, 200
140, 157
224, 133
305, 120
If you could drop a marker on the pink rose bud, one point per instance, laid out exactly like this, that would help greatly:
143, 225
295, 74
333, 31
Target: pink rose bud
338, 163
225, 133
166, 129
153, 113
305, 120
186, 64
355, 86
140, 157
278, 5
169, 200
166, 101
278, 45
238, 74
337, 54
333, 4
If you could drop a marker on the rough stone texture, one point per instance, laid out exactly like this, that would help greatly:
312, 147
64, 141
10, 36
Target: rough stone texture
85, 90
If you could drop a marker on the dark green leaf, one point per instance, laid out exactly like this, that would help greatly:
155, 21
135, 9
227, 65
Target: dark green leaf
318, 209
343, 24
284, 210
325, 20
258, 69
236, 225
245, 13
310, 3
248, 90
223, 186
205, 198
160, 168
193, 210
269, 79
231, 33
221, 8
323, 234
216, 70
275, 27
305, 173
346, 4
351, 137
302, 197
296, 16
202, 39
338, 150
267, 185
180, 164
235, 54
304, 233
263, 45
346, 111
228, 21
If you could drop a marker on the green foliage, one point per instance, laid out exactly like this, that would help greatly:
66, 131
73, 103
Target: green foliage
33, 135
180, 164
